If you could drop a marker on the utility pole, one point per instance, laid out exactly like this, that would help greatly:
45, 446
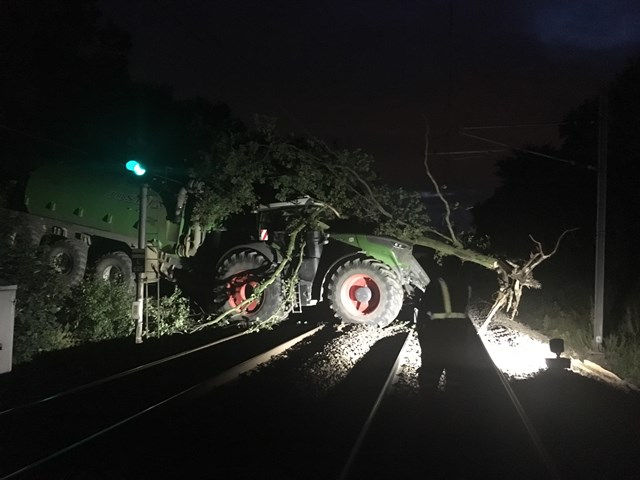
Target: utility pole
601, 218
142, 246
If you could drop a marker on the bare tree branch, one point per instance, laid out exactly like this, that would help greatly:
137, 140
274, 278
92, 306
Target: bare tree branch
447, 217
512, 283
369, 196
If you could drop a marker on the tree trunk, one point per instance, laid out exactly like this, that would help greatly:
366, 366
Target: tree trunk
460, 252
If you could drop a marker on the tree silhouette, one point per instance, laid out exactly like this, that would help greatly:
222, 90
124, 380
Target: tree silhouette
60, 65
542, 197
66, 94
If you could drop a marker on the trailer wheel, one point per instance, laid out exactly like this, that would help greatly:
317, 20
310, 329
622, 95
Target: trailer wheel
69, 259
365, 291
237, 277
114, 267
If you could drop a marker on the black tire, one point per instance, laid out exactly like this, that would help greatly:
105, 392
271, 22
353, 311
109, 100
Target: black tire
238, 275
366, 292
69, 259
115, 266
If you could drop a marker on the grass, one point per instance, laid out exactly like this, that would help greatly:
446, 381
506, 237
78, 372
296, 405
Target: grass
622, 347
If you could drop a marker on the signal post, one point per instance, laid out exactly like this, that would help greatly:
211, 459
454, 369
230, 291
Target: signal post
138, 255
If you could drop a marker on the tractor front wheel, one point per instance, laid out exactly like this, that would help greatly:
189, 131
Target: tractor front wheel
365, 291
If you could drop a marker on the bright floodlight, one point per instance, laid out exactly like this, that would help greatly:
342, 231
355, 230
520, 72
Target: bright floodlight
517, 354
135, 167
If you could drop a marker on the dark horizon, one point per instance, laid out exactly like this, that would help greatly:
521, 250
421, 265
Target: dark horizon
372, 76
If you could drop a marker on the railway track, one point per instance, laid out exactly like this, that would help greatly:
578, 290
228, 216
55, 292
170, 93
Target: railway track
324, 408
34, 433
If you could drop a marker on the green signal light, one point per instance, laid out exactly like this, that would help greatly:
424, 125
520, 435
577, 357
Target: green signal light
135, 167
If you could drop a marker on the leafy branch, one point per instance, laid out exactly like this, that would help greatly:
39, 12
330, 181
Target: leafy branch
291, 253
294, 167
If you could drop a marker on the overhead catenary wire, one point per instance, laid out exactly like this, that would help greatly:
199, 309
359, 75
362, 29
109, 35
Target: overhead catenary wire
513, 125
469, 152
532, 152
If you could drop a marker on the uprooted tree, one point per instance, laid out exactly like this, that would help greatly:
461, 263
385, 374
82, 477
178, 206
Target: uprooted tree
248, 168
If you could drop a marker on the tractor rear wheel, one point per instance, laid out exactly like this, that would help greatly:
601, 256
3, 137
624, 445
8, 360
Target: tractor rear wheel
238, 276
365, 291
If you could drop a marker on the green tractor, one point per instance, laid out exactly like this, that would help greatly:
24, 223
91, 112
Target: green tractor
364, 278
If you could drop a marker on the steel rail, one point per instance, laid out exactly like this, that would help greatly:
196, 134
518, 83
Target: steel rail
533, 436
199, 388
374, 409
118, 375
544, 455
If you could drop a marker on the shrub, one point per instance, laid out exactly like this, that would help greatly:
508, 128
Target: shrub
98, 310
37, 328
169, 315
38, 299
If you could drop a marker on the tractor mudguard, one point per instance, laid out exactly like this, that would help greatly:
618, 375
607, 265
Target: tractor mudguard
392, 252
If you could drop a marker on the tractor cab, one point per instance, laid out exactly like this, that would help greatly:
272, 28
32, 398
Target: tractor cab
273, 219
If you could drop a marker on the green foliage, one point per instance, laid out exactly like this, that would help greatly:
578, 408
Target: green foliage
38, 297
171, 314
49, 315
38, 300
36, 333
98, 310
259, 166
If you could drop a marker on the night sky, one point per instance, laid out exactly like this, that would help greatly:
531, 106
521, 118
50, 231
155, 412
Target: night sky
371, 74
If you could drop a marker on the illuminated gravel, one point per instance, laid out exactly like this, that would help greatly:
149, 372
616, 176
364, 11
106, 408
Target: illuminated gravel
327, 368
407, 377
517, 352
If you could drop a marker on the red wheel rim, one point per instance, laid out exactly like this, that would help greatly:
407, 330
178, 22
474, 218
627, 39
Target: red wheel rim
239, 288
350, 299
